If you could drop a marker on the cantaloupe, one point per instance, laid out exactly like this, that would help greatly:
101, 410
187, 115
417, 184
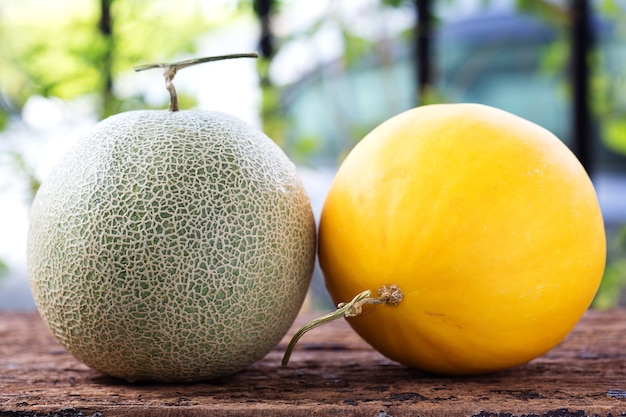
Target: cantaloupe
171, 246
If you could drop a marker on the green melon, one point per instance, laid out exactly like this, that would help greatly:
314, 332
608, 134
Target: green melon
171, 246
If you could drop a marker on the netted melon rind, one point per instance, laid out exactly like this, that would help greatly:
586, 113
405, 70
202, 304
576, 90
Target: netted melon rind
171, 246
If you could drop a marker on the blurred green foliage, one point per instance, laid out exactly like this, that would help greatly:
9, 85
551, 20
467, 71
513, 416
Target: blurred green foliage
610, 293
79, 53
3, 269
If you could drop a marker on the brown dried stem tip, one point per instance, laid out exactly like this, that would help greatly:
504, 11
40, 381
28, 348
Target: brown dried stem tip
170, 70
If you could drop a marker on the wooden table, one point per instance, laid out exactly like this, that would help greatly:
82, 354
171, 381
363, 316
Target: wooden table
331, 373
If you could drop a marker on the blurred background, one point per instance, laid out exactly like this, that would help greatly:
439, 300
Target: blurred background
330, 71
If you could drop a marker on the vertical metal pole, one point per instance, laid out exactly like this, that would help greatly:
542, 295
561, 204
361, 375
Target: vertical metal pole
423, 48
105, 26
580, 47
263, 9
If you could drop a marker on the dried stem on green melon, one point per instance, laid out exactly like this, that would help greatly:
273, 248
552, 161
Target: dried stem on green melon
387, 294
170, 70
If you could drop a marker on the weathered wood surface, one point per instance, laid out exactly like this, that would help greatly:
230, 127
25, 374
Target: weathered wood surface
332, 373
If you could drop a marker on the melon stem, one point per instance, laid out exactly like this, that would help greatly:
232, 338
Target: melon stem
170, 70
387, 294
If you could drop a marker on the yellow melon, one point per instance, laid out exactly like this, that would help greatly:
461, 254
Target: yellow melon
486, 222
171, 246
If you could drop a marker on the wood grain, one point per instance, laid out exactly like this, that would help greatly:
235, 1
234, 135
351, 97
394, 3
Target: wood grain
331, 373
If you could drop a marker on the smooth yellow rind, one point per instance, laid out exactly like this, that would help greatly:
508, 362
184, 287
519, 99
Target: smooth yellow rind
486, 221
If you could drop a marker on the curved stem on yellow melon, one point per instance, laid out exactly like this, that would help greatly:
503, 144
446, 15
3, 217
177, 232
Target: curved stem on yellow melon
387, 294
170, 70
